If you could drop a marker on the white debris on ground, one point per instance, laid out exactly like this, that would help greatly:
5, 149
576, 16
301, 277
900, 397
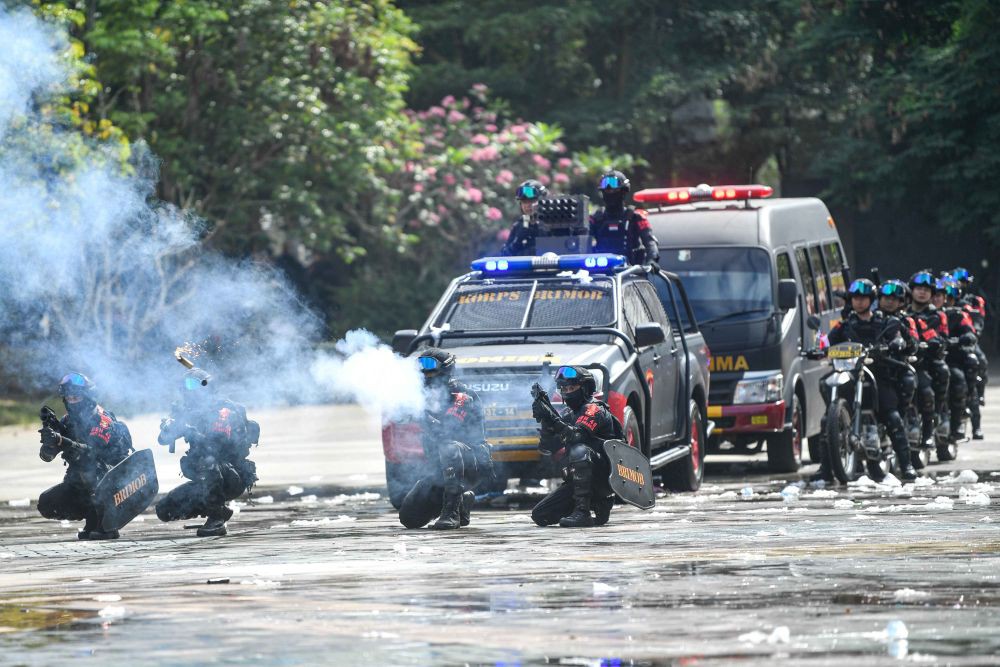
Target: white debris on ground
822, 493
344, 498
790, 493
295, 490
6, 554
843, 504
603, 589
265, 500
973, 497
941, 503
261, 583
779, 635
108, 597
909, 594
325, 521
964, 477
111, 613
309, 499
20, 502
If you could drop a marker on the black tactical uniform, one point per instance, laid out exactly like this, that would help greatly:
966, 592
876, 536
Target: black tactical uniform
907, 377
524, 231
91, 442
577, 438
881, 331
933, 375
620, 229
219, 437
453, 435
964, 363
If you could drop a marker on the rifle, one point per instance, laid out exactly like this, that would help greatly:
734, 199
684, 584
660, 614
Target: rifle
542, 399
51, 420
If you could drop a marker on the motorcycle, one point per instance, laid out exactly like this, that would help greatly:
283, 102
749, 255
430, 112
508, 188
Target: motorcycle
855, 440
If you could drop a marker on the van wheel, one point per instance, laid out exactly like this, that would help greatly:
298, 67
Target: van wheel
630, 425
687, 473
784, 450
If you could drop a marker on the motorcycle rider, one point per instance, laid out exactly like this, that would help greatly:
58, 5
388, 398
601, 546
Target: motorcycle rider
524, 231
91, 442
976, 305
577, 436
932, 331
454, 442
871, 328
621, 229
219, 437
962, 355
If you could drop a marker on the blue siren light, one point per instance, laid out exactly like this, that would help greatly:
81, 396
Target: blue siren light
599, 263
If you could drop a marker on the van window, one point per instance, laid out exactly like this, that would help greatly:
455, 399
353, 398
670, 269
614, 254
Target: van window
653, 305
730, 283
819, 275
835, 265
635, 311
808, 289
785, 267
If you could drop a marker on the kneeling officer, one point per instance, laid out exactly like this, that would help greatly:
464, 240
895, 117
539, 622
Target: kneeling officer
576, 434
219, 438
91, 442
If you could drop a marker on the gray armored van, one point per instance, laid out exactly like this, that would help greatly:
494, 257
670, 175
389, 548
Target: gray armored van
756, 271
514, 321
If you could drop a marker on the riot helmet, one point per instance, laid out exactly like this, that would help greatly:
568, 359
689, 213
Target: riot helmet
436, 365
613, 186
892, 295
923, 286
576, 385
861, 288
195, 387
77, 392
531, 190
962, 276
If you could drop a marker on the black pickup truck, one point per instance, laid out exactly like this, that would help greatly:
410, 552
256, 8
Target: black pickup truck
514, 321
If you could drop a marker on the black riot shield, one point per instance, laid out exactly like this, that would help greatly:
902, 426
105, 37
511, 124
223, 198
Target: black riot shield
127, 490
631, 477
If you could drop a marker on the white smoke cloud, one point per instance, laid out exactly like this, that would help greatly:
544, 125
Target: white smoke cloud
98, 276
371, 374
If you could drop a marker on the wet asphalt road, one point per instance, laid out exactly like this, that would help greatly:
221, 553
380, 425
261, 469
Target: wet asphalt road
863, 575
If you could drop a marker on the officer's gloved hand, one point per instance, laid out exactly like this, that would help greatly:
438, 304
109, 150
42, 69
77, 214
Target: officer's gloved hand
655, 265
897, 345
539, 412
967, 339
50, 444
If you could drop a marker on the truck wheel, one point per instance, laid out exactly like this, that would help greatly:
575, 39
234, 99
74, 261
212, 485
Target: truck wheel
784, 450
687, 473
398, 481
630, 424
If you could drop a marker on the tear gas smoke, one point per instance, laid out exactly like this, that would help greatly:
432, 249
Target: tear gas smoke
98, 276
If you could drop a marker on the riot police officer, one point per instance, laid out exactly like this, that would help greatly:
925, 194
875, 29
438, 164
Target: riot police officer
863, 325
932, 369
523, 232
892, 297
219, 438
621, 229
975, 304
962, 353
577, 436
453, 435
91, 442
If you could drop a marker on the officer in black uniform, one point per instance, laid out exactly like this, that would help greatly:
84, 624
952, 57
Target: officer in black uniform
219, 437
962, 353
932, 330
892, 297
863, 325
453, 435
577, 437
91, 442
975, 304
621, 229
523, 232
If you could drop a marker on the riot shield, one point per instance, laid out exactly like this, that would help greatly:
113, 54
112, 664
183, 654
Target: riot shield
127, 490
631, 477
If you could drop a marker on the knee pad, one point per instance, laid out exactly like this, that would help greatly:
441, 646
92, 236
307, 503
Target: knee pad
579, 454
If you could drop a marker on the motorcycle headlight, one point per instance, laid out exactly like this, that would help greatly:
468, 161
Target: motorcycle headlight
765, 389
842, 365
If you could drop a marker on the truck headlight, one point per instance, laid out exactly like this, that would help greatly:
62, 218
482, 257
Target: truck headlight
764, 389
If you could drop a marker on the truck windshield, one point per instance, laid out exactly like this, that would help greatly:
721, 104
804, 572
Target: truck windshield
723, 284
555, 303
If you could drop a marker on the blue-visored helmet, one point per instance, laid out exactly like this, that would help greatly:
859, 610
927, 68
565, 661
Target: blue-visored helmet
962, 275
435, 362
894, 287
614, 181
862, 287
579, 377
531, 190
953, 289
924, 279
76, 384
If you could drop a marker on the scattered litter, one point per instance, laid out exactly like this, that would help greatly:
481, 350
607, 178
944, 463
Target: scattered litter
790, 493
295, 490
344, 498
843, 504
278, 526
818, 484
235, 507
863, 482
84, 582
985, 519
896, 630
822, 493
603, 589
725, 495
221, 580
924, 481
973, 497
891, 480
7, 554
909, 594
109, 597
265, 500
343, 518
780, 635
111, 613
308, 499
941, 503
964, 477
261, 583
20, 502
746, 492
898, 648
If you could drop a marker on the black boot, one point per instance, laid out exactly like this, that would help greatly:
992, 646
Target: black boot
468, 500
580, 518
905, 463
215, 525
957, 425
602, 510
927, 433
92, 529
451, 509
977, 421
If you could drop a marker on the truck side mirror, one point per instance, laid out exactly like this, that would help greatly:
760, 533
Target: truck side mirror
402, 339
649, 333
788, 294
813, 322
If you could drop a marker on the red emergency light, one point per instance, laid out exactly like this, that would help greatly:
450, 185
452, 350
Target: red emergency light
703, 192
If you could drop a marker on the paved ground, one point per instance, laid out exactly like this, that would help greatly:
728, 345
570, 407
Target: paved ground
867, 574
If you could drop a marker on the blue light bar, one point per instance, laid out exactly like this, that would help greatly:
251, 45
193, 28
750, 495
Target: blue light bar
599, 263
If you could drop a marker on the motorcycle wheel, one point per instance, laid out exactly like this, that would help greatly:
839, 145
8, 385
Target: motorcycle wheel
841, 455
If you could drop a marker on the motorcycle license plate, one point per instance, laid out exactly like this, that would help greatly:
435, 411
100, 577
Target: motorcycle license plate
845, 351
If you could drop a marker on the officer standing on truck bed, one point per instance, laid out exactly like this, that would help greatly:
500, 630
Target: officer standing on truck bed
524, 231
620, 229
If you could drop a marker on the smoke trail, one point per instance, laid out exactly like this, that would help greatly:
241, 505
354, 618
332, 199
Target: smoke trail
98, 276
